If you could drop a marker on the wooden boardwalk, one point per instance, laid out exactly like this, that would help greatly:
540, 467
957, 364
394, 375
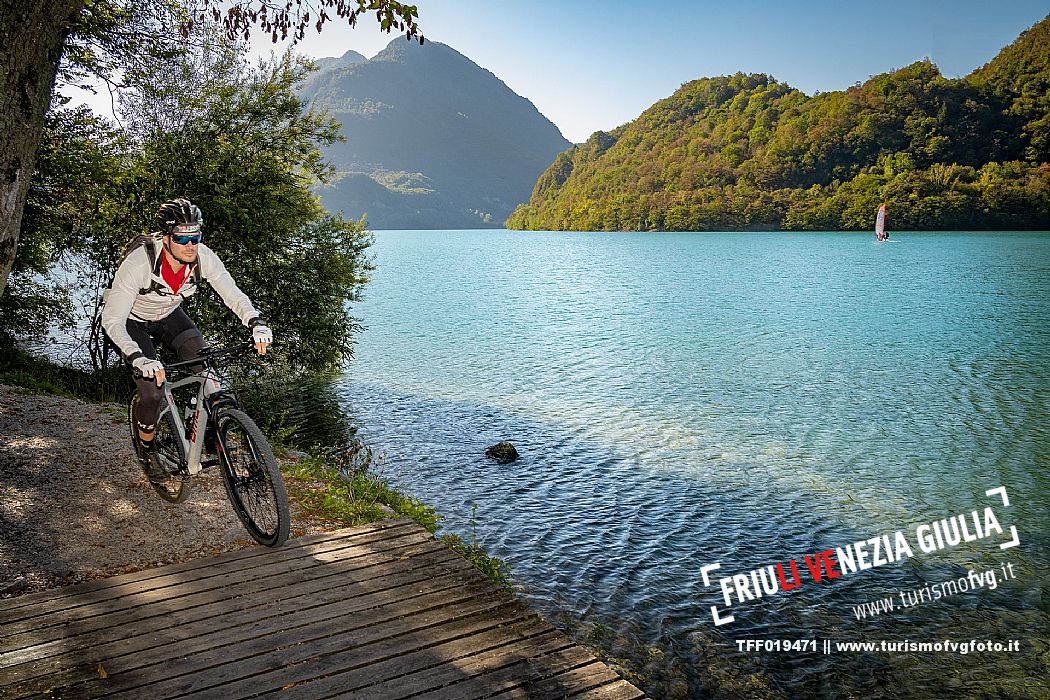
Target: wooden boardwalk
379, 611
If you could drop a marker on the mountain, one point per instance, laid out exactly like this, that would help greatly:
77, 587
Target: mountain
324, 65
748, 152
432, 139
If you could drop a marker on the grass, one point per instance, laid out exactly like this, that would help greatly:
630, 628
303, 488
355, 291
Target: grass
496, 570
345, 488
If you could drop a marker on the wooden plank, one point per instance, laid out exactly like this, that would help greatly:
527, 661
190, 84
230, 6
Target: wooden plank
620, 690
171, 585
544, 685
161, 601
218, 617
448, 668
410, 671
245, 610
133, 671
199, 672
161, 614
381, 612
156, 647
16, 608
151, 605
155, 579
551, 674
616, 690
361, 663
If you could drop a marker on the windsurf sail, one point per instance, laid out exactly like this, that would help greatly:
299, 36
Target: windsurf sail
880, 224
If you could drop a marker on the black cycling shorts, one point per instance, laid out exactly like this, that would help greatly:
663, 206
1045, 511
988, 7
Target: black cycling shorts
172, 331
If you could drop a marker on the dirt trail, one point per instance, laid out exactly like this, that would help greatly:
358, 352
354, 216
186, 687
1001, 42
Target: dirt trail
74, 504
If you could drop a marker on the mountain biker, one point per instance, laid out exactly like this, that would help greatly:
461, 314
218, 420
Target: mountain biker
143, 306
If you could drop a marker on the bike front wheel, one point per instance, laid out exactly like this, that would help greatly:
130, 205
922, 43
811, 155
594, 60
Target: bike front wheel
170, 450
252, 477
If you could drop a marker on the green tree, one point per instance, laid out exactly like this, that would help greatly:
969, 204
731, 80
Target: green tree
238, 142
69, 204
98, 35
249, 159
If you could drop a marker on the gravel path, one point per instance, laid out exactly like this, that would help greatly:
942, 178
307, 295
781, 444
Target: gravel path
74, 504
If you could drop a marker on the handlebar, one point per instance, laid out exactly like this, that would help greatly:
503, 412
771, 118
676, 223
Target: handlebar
210, 354
205, 356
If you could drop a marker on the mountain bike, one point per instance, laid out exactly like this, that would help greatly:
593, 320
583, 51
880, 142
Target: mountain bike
217, 433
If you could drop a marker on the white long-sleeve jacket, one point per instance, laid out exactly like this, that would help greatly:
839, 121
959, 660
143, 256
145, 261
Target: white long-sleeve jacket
126, 297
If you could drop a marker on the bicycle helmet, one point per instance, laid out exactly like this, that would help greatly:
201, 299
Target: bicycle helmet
178, 212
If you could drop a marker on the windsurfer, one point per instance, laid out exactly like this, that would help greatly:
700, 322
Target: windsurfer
880, 224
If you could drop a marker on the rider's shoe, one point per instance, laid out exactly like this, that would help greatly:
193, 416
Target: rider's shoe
150, 460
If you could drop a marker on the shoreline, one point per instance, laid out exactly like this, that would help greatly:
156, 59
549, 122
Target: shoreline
76, 507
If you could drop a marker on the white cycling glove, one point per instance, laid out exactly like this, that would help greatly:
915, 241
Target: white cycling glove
148, 366
262, 334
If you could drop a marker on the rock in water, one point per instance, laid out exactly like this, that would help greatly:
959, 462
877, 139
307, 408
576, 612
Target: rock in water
502, 452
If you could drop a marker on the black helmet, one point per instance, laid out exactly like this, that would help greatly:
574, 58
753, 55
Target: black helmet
179, 211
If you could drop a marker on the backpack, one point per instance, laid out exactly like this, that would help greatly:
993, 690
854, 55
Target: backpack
100, 346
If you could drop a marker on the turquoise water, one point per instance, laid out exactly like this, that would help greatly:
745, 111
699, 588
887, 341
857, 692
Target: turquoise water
742, 398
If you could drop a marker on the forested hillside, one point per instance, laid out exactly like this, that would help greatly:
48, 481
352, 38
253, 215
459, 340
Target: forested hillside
748, 152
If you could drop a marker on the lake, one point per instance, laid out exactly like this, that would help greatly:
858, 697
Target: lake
747, 399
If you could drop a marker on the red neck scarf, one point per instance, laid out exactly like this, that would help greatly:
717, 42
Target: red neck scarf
174, 279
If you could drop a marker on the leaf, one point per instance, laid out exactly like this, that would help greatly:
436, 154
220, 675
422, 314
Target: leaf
102, 672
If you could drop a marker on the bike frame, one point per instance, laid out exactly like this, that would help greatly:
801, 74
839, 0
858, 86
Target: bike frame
193, 444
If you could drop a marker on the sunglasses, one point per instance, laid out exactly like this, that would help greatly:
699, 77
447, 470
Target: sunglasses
186, 239
186, 233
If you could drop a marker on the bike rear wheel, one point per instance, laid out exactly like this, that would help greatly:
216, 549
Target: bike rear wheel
170, 450
252, 477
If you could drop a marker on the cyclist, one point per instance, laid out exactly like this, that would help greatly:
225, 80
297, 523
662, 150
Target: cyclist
143, 307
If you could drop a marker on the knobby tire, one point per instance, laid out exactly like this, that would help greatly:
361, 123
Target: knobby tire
252, 478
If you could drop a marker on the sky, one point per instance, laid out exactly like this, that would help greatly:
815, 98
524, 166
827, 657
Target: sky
590, 65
